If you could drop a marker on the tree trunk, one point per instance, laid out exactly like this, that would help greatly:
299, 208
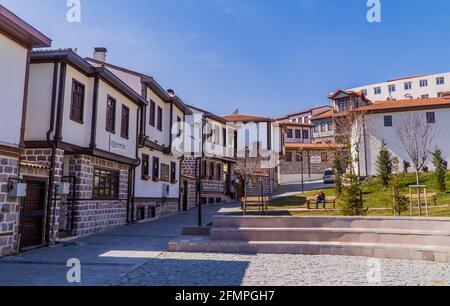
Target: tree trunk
419, 204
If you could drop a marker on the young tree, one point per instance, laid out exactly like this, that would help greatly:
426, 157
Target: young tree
384, 164
338, 173
416, 137
441, 169
350, 199
399, 201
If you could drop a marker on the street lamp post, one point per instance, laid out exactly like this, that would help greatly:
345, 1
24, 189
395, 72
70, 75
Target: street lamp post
199, 179
302, 170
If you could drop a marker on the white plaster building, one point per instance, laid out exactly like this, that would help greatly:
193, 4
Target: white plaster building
17, 38
157, 178
380, 119
417, 87
81, 129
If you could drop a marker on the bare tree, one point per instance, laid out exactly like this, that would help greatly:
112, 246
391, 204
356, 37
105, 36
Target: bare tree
416, 137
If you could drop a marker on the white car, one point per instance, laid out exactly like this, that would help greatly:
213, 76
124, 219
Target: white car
328, 176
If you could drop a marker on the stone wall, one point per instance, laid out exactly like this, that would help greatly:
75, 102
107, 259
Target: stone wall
295, 165
267, 177
9, 208
43, 157
146, 209
95, 215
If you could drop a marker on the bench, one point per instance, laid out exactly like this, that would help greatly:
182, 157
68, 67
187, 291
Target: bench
430, 196
329, 200
261, 202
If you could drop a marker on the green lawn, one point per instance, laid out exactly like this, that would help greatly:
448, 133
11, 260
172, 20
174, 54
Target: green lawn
375, 196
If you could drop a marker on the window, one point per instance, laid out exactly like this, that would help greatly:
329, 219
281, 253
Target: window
77, 104
173, 172
289, 133
111, 115
305, 134
219, 172
125, 123
211, 171
224, 137
324, 157
152, 113
165, 172
424, 96
298, 134
106, 184
330, 126
408, 86
431, 117
160, 118
423, 83
377, 90
391, 88
316, 129
204, 170
440, 94
145, 167
322, 127
440, 81
387, 121
288, 156
155, 168
364, 91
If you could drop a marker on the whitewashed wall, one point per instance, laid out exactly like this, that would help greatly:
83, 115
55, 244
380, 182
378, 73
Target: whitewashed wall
151, 189
13, 59
376, 132
39, 101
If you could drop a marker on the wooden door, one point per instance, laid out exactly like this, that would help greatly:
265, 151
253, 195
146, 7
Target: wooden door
185, 195
33, 215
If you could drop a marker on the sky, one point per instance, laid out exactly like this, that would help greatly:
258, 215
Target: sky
265, 57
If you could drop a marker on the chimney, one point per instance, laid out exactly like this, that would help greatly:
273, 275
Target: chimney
100, 54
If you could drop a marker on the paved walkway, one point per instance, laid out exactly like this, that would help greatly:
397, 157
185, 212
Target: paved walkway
288, 190
104, 257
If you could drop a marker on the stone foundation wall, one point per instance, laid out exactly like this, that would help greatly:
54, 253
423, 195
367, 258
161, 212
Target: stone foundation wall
295, 166
95, 215
9, 208
146, 209
43, 157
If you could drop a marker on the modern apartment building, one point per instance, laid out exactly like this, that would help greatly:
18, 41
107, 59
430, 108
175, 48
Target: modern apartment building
416, 87
17, 38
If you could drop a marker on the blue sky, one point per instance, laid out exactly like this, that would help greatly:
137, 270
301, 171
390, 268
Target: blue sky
267, 57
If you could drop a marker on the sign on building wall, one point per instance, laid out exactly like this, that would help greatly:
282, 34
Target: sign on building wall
316, 159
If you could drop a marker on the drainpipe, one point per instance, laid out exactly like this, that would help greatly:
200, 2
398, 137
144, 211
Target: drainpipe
132, 174
57, 139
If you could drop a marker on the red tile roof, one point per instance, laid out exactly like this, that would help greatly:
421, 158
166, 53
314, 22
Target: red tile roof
296, 124
312, 146
327, 114
398, 105
247, 118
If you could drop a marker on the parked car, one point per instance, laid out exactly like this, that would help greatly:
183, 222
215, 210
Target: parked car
328, 176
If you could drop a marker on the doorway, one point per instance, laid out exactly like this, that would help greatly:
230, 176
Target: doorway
33, 215
185, 195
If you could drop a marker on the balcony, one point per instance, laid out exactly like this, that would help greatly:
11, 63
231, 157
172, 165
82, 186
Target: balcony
323, 134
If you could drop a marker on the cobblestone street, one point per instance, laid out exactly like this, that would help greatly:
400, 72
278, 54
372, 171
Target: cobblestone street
137, 255
183, 269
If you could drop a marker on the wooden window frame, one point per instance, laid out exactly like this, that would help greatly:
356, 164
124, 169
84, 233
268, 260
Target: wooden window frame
73, 116
305, 134
155, 169
111, 129
159, 119
107, 176
298, 134
152, 114
173, 172
165, 172
145, 167
125, 134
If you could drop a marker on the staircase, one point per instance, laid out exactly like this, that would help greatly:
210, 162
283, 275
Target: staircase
379, 237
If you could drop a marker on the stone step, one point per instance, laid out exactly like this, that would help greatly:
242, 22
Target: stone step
334, 222
370, 235
375, 250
